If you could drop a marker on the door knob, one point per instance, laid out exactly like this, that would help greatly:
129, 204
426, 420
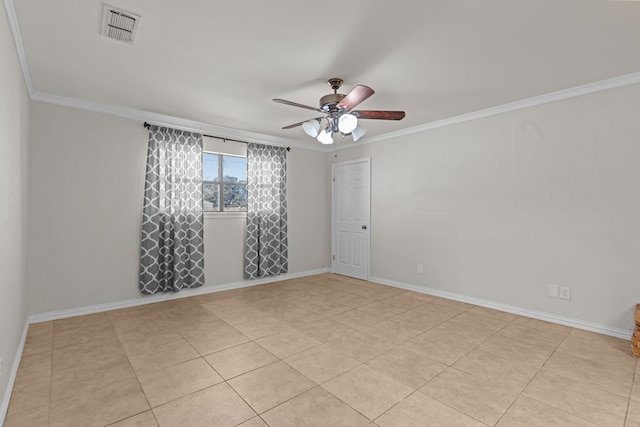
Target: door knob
364, 227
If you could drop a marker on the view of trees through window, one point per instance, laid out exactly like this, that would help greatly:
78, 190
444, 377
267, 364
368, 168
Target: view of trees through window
225, 183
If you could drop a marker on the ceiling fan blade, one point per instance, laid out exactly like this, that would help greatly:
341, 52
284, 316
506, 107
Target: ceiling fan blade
355, 97
300, 124
295, 104
379, 114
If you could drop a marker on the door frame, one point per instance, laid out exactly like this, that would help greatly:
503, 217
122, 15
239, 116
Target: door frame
333, 212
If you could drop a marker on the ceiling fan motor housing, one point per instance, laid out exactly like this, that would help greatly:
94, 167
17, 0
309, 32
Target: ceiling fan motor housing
328, 102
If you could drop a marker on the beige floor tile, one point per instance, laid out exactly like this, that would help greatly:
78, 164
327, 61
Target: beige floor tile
325, 329
633, 414
601, 348
39, 338
497, 368
532, 334
368, 391
321, 363
477, 397
148, 336
439, 311
238, 360
439, 347
33, 417
263, 327
216, 340
383, 309
216, 406
356, 300
254, 422
393, 332
421, 410
534, 355
270, 385
548, 327
170, 383
526, 412
329, 308
241, 315
477, 320
316, 407
467, 332
94, 354
105, 406
357, 318
297, 316
287, 343
361, 345
590, 373
406, 366
88, 370
91, 333
635, 388
408, 300
453, 304
86, 379
595, 405
145, 419
496, 314
173, 352
418, 320
32, 386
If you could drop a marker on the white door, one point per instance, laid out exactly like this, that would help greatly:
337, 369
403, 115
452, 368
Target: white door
350, 218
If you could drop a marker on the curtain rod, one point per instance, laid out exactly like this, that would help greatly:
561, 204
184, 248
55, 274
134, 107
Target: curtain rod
146, 125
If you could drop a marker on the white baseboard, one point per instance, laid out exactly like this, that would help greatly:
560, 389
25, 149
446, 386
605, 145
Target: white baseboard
4, 405
150, 299
561, 320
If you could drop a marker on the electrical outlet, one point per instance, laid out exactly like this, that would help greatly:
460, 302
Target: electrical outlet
565, 292
552, 291
420, 269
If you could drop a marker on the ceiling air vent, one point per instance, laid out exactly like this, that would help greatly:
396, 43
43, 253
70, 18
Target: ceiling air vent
119, 25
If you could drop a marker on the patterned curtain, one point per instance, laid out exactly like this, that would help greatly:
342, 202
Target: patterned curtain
172, 246
266, 236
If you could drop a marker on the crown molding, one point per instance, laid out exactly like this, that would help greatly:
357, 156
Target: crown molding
560, 95
161, 119
17, 39
224, 132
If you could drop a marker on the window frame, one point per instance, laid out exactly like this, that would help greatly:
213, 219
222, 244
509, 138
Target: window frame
221, 213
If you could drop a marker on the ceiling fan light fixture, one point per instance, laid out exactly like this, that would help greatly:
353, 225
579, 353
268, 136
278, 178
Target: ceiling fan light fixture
325, 137
357, 133
312, 127
347, 122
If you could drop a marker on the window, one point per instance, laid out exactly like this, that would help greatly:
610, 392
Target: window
224, 186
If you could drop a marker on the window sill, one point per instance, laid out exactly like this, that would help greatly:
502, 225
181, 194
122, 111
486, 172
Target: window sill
224, 215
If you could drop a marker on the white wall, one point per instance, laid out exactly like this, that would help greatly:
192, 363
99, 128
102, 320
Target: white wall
498, 208
14, 137
86, 208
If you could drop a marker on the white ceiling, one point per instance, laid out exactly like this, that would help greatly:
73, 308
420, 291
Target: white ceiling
221, 62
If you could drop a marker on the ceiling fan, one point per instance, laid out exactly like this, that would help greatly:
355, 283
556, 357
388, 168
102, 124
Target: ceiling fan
339, 117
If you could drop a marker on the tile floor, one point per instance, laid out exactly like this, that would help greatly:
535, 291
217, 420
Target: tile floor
321, 351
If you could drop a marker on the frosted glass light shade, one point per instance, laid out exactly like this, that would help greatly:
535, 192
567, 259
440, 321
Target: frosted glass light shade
347, 123
357, 133
325, 137
311, 127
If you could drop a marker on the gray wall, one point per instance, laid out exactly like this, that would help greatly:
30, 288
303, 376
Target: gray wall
85, 213
14, 138
498, 208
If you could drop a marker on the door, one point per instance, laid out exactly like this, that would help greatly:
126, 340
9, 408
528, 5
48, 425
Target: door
350, 218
